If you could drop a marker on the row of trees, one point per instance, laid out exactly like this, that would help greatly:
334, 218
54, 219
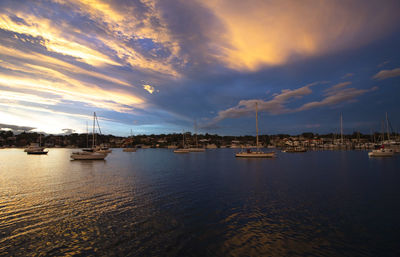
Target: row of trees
8, 138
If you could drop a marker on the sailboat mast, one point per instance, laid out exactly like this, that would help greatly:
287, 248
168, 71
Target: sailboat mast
341, 128
195, 133
183, 139
87, 135
94, 124
257, 125
387, 127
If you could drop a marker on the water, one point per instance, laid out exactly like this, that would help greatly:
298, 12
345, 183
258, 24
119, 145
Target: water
156, 203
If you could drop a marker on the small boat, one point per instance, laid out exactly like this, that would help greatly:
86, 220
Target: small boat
103, 150
88, 156
297, 149
258, 153
37, 151
255, 154
381, 152
129, 149
181, 150
196, 149
35, 148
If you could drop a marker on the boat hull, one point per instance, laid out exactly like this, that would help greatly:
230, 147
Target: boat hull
255, 155
196, 149
181, 151
129, 150
380, 154
37, 152
95, 156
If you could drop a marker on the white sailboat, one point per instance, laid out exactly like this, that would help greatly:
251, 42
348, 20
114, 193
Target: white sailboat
383, 151
197, 148
94, 155
183, 149
36, 148
258, 153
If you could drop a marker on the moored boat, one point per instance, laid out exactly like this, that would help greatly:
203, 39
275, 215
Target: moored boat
196, 149
88, 156
129, 149
381, 152
181, 150
258, 153
93, 153
37, 151
255, 154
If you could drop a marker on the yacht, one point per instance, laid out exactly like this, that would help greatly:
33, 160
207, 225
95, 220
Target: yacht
183, 149
88, 156
258, 153
35, 148
37, 151
381, 152
94, 154
129, 149
197, 148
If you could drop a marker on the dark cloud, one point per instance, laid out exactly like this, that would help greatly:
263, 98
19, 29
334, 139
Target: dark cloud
15, 128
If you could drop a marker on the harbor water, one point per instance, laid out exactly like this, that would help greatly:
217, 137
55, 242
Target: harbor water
156, 203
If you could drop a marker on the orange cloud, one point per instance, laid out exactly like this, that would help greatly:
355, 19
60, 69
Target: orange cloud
264, 33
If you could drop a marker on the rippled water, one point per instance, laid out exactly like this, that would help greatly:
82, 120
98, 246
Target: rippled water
156, 203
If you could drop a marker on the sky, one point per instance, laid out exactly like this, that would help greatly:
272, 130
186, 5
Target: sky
161, 66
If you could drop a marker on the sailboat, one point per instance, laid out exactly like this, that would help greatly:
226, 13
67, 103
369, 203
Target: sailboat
130, 148
258, 153
197, 148
94, 155
35, 148
183, 149
383, 151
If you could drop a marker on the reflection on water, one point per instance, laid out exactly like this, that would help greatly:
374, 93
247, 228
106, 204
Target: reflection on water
156, 203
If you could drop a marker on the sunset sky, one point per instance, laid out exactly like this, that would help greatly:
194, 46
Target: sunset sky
157, 66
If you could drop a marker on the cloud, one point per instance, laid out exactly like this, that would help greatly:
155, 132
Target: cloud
67, 131
149, 88
337, 87
383, 64
268, 33
278, 104
385, 74
274, 106
348, 75
339, 96
15, 128
312, 125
